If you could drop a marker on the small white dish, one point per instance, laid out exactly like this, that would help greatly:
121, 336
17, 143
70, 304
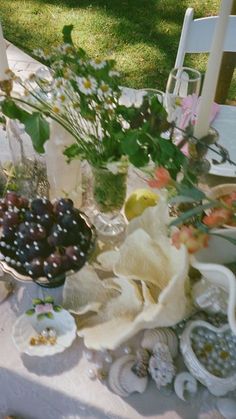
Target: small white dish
27, 327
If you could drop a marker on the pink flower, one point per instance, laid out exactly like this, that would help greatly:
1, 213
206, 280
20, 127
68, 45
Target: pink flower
193, 239
218, 217
43, 308
161, 178
190, 106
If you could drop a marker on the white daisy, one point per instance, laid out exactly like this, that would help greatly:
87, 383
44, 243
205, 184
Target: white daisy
104, 90
86, 85
97, 64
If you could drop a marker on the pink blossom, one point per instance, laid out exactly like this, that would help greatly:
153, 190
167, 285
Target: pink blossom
43, 308
218, 217
192, 238
161, 178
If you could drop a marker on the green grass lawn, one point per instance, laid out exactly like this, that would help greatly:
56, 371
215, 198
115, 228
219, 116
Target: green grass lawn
141, 35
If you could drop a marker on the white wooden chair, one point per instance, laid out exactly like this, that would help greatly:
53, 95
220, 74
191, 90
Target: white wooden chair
197, 34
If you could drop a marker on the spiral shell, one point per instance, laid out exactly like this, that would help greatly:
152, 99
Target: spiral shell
140, 367
122, 380
164, 335
161, 365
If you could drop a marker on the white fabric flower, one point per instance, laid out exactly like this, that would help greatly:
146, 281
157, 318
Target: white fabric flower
97, 64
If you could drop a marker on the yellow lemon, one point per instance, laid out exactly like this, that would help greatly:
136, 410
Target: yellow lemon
138, 201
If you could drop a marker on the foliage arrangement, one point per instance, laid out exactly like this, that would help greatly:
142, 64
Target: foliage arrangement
83, 95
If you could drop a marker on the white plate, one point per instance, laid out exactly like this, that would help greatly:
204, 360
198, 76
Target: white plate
225, 123
27, 327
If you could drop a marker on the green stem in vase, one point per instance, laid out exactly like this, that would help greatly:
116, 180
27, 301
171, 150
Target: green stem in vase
109, 189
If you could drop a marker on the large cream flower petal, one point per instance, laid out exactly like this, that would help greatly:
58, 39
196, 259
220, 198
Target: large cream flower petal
153, 220
84, 291
141, 257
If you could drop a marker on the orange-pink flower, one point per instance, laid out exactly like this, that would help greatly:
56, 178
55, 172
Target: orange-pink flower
218, 217
161, 178
192, 238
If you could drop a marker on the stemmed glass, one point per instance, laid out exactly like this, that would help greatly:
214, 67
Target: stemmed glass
181, 97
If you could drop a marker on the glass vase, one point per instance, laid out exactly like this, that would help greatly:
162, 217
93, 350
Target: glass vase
25, 169
109, 192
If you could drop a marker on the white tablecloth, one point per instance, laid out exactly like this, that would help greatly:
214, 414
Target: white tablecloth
58, 387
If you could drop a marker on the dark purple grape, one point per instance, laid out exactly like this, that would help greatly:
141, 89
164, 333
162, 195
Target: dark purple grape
3, 208
35, 249
46, 220
68, 221
11, 219
35, 267
29, 216
23, 202
58, 236
76, 255
53, 265
8, 234
36, 232
40, 206
63, 205
12, 199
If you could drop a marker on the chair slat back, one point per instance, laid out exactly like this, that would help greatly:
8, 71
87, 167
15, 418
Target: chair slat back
197, 35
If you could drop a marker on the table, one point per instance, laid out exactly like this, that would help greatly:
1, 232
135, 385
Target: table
59, 387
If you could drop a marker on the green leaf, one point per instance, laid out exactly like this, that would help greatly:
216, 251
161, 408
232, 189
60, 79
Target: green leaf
189, 214
180, 199
72, 151
11, 110
37, 301
30, 312
130, 144
38, 129
41, 316
48, 299
192, 192
66, 31
49, 315
57, 308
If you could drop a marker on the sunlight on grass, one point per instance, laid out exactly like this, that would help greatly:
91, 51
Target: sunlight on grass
141, 35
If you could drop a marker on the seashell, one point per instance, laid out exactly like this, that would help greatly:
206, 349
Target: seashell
209, 297
161, 365
140, 367
122, 380
185, 383
227, 407
209, 354
164, 335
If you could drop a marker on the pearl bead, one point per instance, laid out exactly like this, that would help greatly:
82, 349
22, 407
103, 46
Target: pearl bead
127, 350
88, 355
52, 333
108, 359
92, 373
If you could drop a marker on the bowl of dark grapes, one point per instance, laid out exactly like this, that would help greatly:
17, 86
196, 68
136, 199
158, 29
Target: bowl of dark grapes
43, 241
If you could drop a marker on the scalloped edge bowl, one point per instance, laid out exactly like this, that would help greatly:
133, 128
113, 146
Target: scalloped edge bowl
27, 326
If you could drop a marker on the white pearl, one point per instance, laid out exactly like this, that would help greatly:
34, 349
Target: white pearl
92, 373
88, 355
108, 359
52, 333
127, 350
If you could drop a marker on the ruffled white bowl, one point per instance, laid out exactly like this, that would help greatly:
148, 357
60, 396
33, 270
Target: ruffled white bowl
27, 327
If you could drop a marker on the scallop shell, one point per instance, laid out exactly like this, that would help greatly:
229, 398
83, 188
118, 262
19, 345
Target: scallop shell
161, 365
164, 335
122, 380
227, 407
185, 383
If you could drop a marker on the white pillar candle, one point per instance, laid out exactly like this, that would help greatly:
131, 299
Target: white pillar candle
213, 67
3, 56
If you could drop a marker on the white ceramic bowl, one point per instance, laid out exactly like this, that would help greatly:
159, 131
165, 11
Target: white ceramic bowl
27, 327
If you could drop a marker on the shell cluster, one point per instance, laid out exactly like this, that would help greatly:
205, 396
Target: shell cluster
140, 367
